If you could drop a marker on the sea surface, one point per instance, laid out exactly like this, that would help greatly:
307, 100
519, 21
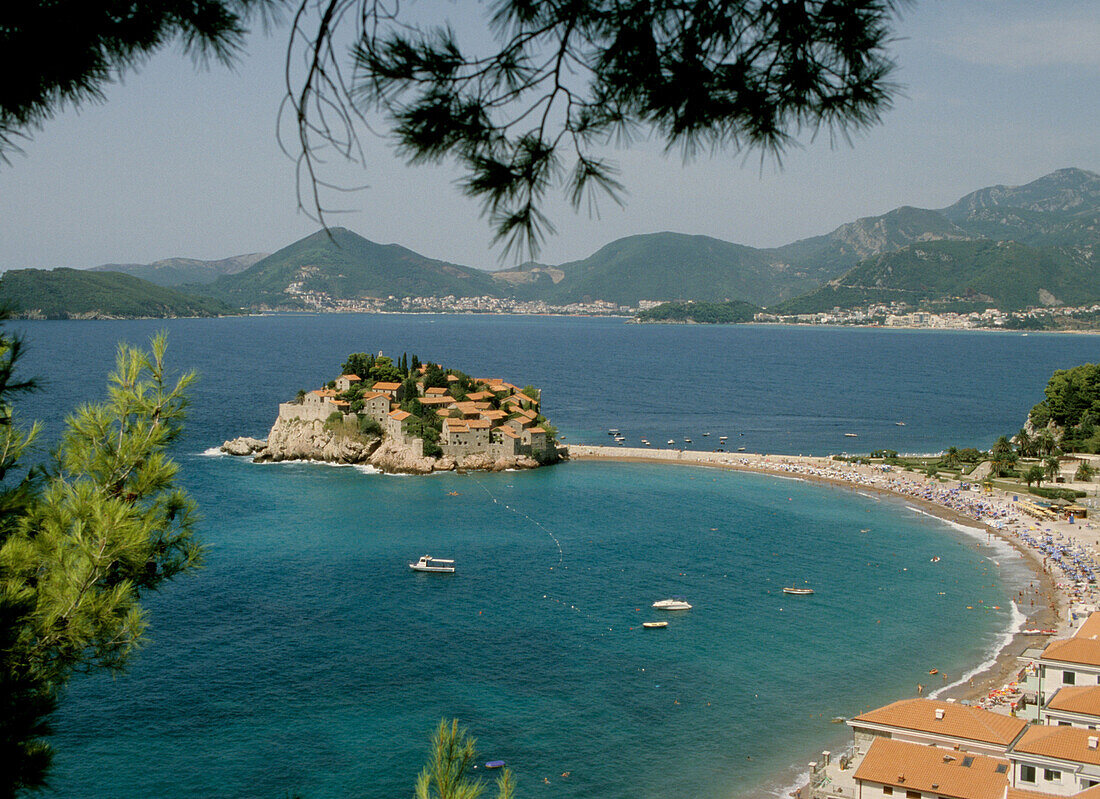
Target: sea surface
307, 658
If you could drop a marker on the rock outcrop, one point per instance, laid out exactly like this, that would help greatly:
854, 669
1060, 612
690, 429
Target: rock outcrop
297, 439
307, 440
243, 446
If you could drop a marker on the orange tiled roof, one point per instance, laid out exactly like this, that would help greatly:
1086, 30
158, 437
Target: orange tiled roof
915, 767
524, 398
1020, 793
399, 415
1061, 743
435, 390
386, 386
1085, 651
493, 415
340, 403
959, 721
477, 396
478, 424
456, 427
535, 430
1077, 699
506, 431
375, 395
352, 378
1090, 628
436, 399
324, 392
452, 378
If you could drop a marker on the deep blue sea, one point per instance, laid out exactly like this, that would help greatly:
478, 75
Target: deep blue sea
306, 657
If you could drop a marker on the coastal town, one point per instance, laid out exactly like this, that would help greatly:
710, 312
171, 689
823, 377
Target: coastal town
409, 417
898, 314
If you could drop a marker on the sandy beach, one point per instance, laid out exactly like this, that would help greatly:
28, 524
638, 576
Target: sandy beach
994, 513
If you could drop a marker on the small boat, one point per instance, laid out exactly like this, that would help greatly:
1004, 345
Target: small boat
494, 764
722, 438
851, 435
797, 591
429, 564
740, 449
1038, 632
936, 559
654, 625
671, 442
706, 434
687, 440
900, 424
675, 603
614, 431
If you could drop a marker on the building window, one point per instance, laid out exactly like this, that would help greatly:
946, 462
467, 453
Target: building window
1027, 773
1088, 783
887, 790
912, 795
1050, 775
1068, 677
1064, 724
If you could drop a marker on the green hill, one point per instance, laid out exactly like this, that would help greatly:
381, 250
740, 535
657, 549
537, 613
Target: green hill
703, 313
82, 293
676, 266
182, 271
1005, 275
344, 265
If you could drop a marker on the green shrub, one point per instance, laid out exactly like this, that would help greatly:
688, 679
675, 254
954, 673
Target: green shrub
369, 426
1057, 493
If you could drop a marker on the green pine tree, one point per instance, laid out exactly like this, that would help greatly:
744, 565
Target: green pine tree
82, 543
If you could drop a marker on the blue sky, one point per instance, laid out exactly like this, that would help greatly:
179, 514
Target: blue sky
180, 162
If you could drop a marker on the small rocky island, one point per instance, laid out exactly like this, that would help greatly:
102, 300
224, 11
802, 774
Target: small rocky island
408, 417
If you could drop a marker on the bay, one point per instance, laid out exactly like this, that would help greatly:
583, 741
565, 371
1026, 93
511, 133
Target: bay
306, 657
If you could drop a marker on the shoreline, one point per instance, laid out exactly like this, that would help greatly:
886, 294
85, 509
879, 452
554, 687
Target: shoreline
1055, 599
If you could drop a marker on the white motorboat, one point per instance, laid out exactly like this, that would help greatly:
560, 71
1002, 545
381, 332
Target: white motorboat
798, 591
654, 625
429, 564
675, 603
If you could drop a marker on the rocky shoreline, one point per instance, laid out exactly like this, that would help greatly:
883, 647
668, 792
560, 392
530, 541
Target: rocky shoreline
305, 440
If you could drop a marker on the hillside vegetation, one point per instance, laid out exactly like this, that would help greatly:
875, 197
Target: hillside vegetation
81, 293
182, 271
706, 313
1004, 275
347, 266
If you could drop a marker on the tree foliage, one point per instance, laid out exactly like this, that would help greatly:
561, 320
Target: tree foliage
58, 53
82, 542
447, 772
562, 79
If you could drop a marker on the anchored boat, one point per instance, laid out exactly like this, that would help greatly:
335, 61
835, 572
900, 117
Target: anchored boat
429, 564
675, 603
798, 591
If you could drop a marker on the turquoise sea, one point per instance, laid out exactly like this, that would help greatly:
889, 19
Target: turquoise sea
307, 658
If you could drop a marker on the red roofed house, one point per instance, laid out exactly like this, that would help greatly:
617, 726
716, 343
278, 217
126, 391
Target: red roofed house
376, 405
344, 382
903, 770
1056, 760
945, 724
1073, 706
386, 388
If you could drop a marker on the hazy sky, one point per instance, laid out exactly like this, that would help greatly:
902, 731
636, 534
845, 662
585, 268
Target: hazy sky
180, 162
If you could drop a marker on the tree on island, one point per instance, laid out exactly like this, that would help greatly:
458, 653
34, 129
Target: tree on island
550, 84
82, 542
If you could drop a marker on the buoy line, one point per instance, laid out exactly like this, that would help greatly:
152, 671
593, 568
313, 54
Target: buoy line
554, 538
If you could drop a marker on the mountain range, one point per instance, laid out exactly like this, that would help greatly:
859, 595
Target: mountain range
1049, 228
